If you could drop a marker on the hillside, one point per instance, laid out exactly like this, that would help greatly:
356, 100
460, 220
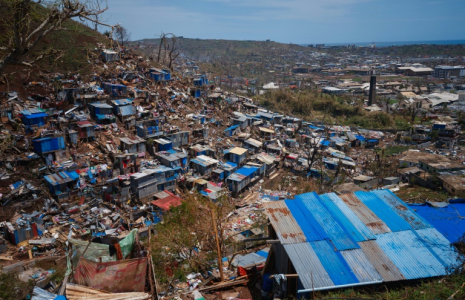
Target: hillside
75, 44
226, 50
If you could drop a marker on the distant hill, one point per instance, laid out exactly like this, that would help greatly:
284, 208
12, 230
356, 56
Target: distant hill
211, 50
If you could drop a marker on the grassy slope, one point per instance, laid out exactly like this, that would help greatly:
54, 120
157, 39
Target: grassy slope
74, 39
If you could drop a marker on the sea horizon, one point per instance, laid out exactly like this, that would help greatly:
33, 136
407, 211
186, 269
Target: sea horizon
399, 43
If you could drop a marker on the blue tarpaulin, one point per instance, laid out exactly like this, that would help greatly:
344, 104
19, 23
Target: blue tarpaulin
447, 220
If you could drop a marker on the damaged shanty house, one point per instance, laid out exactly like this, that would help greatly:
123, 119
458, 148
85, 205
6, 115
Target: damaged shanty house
148, 182
102, 113
363, 238
33, 119
117, 267
125, 111
51, 148
62, 184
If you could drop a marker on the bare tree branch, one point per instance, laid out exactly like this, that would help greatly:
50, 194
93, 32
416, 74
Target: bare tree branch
23, 40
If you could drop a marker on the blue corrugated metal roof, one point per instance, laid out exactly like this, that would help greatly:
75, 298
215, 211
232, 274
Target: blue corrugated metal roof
231, 128
410, 255
383, 211
36, 115
346, 217
445, 219
312, 273
340, 239
31, 111
334, 263
196, 161
247, 170
440, 246
328, 223
61, 177
365, 272
310, 227
402, 209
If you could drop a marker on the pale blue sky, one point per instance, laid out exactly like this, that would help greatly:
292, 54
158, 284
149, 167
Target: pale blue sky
296, 21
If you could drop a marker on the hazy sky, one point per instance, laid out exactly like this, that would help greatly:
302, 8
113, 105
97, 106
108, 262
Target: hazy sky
296, 21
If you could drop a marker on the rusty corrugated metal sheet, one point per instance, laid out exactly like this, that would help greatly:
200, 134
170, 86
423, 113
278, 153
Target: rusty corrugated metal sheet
361, 266
381, 261
375, 224
283, 222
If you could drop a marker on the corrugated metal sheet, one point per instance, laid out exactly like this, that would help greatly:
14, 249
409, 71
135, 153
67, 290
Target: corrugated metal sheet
440, 246
447, 220
250, 259
311, 272
346, 217
402, 209
338, 236
361, 266
333, 262
247, 170
375, 224
310, 227
381, 262
410, 255
283, 222
127, 110
40, 294
383, 211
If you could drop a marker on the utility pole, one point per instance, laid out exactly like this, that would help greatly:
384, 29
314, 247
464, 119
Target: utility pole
220, 265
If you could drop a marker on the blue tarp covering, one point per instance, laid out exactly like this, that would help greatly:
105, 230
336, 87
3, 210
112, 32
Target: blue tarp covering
373, 141
447, 220
324, 143
360, 138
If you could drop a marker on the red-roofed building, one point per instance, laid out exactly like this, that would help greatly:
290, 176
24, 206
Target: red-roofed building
166, 200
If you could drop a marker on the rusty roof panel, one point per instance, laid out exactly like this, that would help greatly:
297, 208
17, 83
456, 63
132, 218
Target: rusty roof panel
283, 222
375, 224
381, 261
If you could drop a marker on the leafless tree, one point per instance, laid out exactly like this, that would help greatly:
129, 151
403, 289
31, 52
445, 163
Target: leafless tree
122, 35
162, 41
98, 5
27, 27
167, 49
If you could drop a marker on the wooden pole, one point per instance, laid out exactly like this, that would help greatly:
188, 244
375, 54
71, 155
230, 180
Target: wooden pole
220, 265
